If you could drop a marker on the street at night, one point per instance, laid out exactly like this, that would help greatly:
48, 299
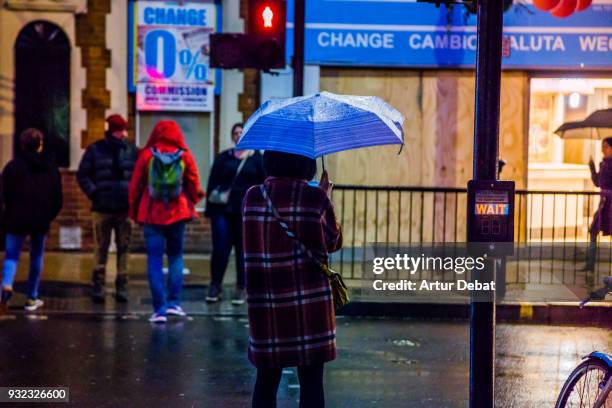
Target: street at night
120, 360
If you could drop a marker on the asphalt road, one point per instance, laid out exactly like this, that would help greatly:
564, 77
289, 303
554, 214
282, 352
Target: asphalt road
123, 361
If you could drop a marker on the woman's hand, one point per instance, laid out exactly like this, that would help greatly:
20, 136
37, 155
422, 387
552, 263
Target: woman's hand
325, 184
592, 167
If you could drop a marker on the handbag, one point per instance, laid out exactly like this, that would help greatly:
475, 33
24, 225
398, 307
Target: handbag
221, 196
340, 294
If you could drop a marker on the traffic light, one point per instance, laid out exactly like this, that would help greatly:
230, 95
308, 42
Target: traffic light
267, 23
263, 46
267, 18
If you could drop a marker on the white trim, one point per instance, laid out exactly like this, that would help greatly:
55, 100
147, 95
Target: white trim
469, 29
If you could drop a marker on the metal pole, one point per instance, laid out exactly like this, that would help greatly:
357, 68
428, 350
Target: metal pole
486, 142
488, 81
298, 47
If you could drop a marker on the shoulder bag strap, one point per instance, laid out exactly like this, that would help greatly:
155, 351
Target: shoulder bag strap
240, 166
290, 233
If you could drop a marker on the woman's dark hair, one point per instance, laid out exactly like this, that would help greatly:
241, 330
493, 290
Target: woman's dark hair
608, 141
279, 164
237, 125
30, 140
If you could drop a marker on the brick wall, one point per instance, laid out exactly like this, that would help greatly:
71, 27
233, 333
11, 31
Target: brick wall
76, 213
96, 58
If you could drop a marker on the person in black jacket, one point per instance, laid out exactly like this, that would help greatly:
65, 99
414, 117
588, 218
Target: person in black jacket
32, 196
232, 174
104, 175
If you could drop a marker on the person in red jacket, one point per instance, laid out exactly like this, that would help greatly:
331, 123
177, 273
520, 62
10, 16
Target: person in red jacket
163, 192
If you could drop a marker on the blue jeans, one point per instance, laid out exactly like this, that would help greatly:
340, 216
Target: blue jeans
169, 239
226, 233
14, 243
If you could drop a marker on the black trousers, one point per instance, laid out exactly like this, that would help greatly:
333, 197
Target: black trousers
311, 387
226, 233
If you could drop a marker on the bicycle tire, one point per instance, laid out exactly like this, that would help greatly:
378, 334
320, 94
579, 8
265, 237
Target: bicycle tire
584, 367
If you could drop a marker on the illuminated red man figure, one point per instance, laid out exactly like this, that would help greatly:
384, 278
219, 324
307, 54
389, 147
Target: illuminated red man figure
267, 15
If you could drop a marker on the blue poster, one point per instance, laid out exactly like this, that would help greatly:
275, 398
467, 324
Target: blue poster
410, 34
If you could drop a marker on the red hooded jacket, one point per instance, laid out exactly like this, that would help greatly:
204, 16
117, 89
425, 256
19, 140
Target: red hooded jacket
165, 137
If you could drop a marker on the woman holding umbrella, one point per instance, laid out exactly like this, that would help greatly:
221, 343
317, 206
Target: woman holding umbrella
602, 220
290, 228
595, 126
291, 312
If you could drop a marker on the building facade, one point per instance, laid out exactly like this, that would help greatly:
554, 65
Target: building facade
64, 69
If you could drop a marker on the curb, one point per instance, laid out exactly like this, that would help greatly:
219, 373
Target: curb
598, 314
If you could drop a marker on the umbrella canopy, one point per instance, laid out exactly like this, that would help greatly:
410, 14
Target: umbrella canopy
597, 125
321, 124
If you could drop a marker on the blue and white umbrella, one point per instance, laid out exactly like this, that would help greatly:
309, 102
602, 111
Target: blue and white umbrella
321, 124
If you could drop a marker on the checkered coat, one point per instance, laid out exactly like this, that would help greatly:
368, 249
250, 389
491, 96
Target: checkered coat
291, 312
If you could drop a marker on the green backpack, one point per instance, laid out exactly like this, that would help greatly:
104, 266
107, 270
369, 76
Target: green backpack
166, 175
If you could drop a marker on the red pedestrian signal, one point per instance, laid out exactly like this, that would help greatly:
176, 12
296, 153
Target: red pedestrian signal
262, 47
267, 15
267, 20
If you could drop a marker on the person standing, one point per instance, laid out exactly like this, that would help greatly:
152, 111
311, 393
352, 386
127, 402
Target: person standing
290, 307
232, 174
104, 174
602, 219
32, 196
163, 193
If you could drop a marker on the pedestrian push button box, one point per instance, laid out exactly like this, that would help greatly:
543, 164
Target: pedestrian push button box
490, 211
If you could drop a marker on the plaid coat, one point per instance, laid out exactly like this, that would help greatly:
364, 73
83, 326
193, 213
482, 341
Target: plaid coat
291, 312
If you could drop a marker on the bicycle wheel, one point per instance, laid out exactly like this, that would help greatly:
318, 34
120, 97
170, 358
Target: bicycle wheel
584, 385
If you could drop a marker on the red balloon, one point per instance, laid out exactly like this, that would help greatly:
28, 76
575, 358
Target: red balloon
583, 4
546, 5
564, 9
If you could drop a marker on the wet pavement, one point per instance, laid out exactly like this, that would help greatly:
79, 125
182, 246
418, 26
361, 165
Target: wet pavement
122, 360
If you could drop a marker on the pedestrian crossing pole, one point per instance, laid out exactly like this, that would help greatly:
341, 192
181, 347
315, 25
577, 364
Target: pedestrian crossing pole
486, 144
299, 16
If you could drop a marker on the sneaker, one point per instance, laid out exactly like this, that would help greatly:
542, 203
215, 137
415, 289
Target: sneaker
5, 297
238, 298
175, 311
33, 304
158, 318
214, 294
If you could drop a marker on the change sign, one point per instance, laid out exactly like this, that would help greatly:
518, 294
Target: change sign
172, 52
408, 33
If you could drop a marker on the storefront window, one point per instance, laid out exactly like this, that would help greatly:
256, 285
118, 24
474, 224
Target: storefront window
554, 101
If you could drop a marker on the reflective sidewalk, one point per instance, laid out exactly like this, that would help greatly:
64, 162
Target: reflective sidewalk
118, 361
